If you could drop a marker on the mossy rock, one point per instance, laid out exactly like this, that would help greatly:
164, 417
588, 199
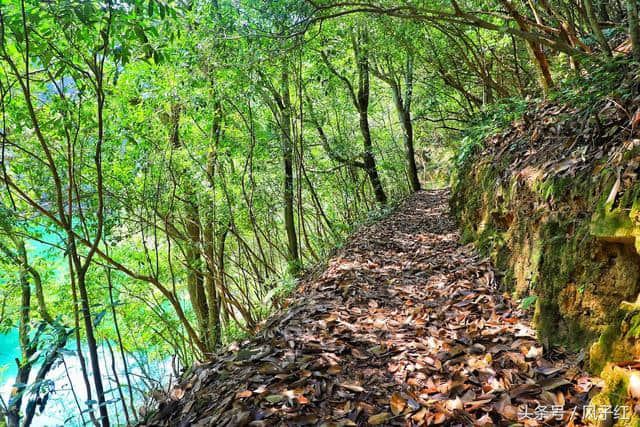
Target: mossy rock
618, 226
615, 394
620, 341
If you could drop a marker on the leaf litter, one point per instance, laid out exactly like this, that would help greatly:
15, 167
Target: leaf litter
404, 327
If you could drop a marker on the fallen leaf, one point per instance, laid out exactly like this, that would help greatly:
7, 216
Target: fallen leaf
243, 394
353, 387
397, 404
439, 418
334, 369
455, 404
304, 420
552, 383
274, 398
378, 419
177, 393
420, 415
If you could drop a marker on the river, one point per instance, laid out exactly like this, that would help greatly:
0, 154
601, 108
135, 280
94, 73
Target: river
61, 408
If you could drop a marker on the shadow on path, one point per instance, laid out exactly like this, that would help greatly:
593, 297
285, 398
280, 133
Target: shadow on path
404, 327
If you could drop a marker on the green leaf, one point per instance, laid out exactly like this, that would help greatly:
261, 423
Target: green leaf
527, 302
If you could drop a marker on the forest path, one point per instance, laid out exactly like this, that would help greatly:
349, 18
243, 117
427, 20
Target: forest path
404, 327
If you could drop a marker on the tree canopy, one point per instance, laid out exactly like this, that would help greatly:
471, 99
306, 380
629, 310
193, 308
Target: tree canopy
170, 168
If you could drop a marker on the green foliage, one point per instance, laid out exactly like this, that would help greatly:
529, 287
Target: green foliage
604, 79
489, 121
145, 146
528, 302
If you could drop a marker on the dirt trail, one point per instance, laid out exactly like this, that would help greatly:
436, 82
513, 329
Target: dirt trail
404, 327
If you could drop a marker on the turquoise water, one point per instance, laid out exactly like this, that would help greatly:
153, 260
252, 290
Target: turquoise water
9, 350
61, 409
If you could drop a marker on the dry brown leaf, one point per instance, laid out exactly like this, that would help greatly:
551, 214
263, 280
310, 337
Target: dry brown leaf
334, 369
397, 404
304, 420
439, 418
352, 387
451, 342
177, 393
378, 419
420, 415
243, 394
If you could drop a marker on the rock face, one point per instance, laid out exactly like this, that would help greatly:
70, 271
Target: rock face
555, 201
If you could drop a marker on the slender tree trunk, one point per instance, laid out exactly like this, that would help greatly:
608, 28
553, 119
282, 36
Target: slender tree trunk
403, 108
123, 356
534, 48
79, 352
287, 160
28, 339
404, 116
27, 347
212, 285
92, 345
363, 110
634, 31
193, 228
410, 151
51, 357
220, 279
370, 161
116, 378
542, 66
595, 27
195, 278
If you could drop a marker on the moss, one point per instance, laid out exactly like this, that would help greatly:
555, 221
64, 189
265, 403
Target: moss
546, 319
634, 327
577, 336
536, 257
619, 342
500, 259
614, 226
548, 238
606, 347
467, 235
615, 394
553, 188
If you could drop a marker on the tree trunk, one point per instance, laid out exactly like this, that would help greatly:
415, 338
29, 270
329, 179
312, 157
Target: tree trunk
403, 108
535, 50
120, 345
542, 66
47, 365
404, 116
363, 110
195, 278
369, 160
27, 347
287, 160
193, 258
634, 31
410, 151
595, 27
212, 282
93, 347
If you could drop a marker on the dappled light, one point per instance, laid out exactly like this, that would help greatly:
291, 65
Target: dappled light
316, 212
405, 326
